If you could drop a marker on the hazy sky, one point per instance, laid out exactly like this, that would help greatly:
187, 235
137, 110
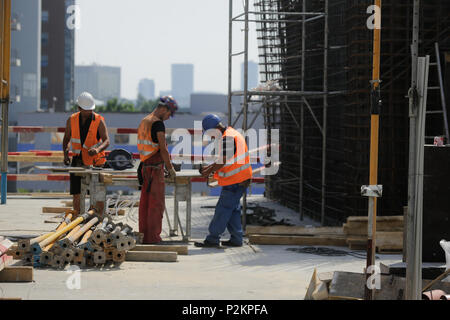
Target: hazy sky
144, 37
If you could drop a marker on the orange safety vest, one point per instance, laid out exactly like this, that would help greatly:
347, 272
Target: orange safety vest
237, 169
90, 142
146, 146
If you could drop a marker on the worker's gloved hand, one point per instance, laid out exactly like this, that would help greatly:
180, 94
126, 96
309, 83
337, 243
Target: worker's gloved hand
93, 151
171, 173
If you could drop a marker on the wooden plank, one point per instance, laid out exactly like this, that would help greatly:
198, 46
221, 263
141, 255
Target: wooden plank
16, 274
294, 230
31, 158
384, 240
379, 218
360, 228
298, 240
51, 195
56, 210
151, 256
179, 249
67, 203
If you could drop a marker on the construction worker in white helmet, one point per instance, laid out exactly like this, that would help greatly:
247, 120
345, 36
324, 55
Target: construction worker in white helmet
87, 133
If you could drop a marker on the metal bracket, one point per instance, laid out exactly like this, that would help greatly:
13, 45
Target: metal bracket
372, 191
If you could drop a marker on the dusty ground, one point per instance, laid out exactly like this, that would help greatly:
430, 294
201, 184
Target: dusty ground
251, 272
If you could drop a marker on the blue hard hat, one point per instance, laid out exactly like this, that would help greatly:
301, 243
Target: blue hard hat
210, 122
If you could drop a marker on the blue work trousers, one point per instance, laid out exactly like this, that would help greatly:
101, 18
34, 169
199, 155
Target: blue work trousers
227, 215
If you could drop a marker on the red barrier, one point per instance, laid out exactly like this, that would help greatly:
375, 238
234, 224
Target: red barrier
66, 177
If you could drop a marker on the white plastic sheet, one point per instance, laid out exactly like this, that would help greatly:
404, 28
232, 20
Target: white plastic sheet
446, 247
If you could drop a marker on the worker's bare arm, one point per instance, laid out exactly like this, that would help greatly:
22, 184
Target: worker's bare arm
66, 140
163, 150
105, 138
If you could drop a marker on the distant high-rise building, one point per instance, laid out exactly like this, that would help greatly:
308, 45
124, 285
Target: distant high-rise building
182, 83
252, 75
57, 50
25, 79
101, 81
147, 89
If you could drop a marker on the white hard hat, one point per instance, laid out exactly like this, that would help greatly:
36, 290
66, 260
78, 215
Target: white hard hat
86, 101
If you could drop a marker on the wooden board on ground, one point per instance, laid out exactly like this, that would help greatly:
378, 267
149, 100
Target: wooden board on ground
67, 203
360, 228
179, 249
16, 274
387, 241
298, 240
56, 210
294, 230
379, 218
151, 256
51, 195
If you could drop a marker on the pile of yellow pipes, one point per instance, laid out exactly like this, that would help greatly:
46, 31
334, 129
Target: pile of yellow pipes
86, 240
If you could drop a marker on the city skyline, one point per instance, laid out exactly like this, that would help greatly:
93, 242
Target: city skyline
197, 34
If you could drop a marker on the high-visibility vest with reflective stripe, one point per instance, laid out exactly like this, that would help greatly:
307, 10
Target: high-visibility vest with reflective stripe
90, 142
238, 168
146, 147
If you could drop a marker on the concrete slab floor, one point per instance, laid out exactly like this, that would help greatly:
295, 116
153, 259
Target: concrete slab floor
251, 272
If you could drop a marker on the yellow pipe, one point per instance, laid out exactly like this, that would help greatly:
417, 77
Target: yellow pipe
67, 228
74, 230
62, 225
85, 237
81, 231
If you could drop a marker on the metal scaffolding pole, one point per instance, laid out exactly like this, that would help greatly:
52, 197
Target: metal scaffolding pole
5, 45
230, 60
302, 110
245, 104
412, 286
325, 106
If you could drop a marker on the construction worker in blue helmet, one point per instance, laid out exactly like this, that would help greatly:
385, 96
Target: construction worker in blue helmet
233, 173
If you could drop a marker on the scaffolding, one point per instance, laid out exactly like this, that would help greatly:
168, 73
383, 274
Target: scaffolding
275, 20
319, 52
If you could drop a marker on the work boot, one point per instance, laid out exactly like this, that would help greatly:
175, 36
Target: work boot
231, 244
206, 244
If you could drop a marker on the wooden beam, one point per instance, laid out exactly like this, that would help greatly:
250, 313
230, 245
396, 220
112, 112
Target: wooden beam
57, 210
151, 256
31, 158
379, 219
294, 230
385, 240
298, 240
182, 250
16, 274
